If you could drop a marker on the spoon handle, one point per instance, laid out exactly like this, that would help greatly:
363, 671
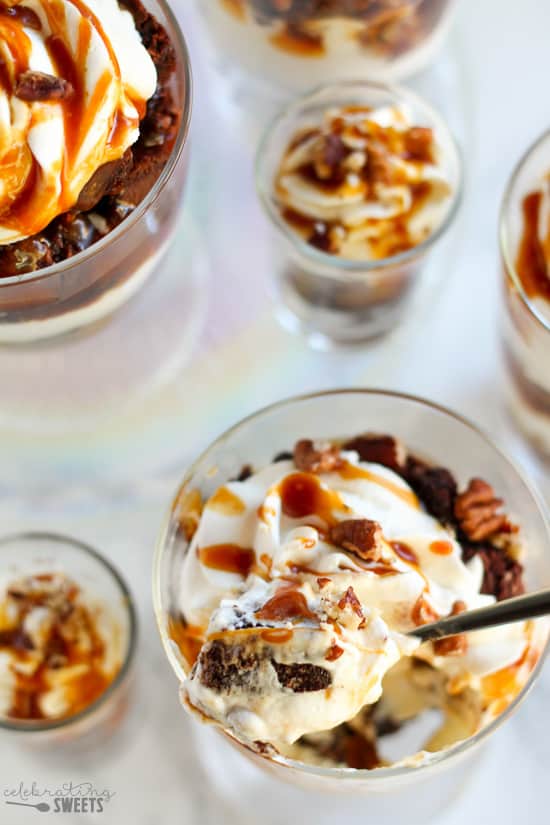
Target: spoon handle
510, 610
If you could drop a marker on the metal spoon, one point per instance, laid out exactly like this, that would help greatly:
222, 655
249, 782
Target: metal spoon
43, 807
510, 610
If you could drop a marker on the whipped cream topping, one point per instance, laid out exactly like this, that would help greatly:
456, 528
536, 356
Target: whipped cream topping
366, 184
293, 635
50, 148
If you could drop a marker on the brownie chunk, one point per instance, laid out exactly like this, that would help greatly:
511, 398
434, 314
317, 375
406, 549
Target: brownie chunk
223, 667
302, 678
435, 486
503, 576
379, 449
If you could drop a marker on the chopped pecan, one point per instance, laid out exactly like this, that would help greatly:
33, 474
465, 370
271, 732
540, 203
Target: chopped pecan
334, 652
379, 449
477, 511
379, 165
349, 599
330, 152
312, 458
423, 612
33, 86
435, 486
453, 645
360, 536
419, 142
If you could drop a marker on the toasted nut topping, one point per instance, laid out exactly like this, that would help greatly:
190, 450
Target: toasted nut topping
312, 458
360, 536
477, 511
33, 86
451, 646
349, 599
330, 151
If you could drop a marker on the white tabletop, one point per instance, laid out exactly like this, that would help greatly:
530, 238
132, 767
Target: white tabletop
451, 356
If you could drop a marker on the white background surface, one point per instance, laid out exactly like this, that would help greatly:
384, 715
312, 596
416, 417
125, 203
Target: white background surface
452, 358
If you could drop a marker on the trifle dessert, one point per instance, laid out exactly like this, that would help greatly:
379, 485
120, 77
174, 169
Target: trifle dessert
302, 580
66, 638
525, 247
56, 657
95, 111
293, 45
360, 180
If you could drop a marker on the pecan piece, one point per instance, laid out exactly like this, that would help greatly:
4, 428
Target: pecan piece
360, 536
419, 143
453, 645
349, 599
477, 511
330, 151
33, 86
379, 449
311, 458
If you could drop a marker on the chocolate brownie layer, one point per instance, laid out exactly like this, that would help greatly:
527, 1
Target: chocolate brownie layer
118, 187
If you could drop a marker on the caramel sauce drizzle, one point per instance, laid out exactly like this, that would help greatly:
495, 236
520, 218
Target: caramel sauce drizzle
287, 604
227, 503
303, 495
33, 205
352, 471
441, 548
81, 691
230, 558
531, 264
188, 638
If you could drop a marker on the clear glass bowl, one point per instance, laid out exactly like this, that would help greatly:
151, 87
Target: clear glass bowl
396, 794
85, 289
525, 327
34, 553
264, 47
329, 299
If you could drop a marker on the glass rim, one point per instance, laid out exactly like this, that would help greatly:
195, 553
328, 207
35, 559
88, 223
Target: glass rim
505, 250
41, 726
398, 92
96, 248
350, 774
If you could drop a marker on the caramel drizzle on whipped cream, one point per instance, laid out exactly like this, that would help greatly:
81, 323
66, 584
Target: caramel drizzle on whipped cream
97, 119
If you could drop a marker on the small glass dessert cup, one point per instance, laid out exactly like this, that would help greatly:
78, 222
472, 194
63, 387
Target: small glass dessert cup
408, 792
68, 632
525, 314
268, 49
353, 297
85, 288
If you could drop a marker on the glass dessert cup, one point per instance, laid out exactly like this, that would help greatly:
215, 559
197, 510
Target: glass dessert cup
102, 587
330, 299
525, 326
264, 49
88, 287
429, 431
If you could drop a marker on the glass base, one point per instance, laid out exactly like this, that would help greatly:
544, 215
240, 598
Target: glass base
245, 790
79, 383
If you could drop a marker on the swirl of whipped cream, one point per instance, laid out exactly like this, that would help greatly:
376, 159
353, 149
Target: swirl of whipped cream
370, 181
50, 148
